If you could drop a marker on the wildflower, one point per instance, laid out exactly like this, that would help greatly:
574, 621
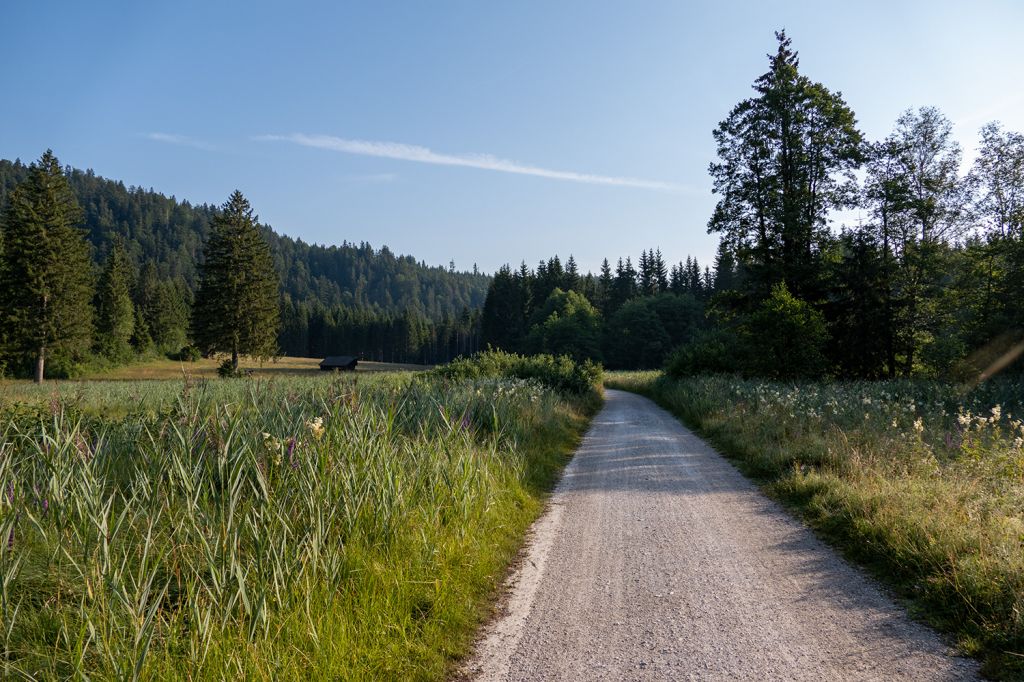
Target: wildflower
997, 412
894, 423
919, 425
316, 427
466, 423
865, 400
1018, 442
291, 454
964, 419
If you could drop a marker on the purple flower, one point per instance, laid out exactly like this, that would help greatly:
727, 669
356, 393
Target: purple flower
291, 454
466, 422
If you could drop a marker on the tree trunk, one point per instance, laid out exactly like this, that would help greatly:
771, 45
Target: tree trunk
40, 364
234, 358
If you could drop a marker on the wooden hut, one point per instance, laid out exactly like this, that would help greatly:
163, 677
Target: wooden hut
339, 363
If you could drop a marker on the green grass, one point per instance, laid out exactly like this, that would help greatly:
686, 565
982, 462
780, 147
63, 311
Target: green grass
922, 482
329, 527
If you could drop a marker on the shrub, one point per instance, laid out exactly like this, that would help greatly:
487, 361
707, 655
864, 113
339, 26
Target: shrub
561, 373
712, 350
186, 354
227, 370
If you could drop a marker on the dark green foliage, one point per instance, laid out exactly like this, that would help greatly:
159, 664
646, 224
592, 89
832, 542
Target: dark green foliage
236, 310
627, 318
567, 325
786, 158
785, 338
115, 314
643, 332
164, 307
560, 373
45, 273
711, 351
505, 309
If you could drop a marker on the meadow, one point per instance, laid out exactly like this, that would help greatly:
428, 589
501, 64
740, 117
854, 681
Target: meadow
329, 527
920, 481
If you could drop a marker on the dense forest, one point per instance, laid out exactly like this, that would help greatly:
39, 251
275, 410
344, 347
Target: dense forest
334, 299
929, 282
626, 317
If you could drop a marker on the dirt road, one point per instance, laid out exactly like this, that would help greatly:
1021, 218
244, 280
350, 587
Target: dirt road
658, 561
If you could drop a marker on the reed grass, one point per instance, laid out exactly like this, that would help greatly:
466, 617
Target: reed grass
285, 529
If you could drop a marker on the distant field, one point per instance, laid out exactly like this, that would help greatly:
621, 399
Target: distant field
173, 369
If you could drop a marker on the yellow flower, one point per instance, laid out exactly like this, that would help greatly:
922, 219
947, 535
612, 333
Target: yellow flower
316, 426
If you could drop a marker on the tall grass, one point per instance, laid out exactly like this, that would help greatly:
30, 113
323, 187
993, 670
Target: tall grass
286, 529
919, 480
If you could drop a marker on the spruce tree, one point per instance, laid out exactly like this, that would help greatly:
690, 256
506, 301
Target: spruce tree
115, 313
236, 309
45, 271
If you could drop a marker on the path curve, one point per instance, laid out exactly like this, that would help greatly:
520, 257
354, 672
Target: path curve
657, 560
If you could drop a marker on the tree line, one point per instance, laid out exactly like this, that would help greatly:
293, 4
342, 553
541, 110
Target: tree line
630, 316
61, 310
928, 281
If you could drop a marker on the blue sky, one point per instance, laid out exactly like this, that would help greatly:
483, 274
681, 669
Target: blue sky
479, 132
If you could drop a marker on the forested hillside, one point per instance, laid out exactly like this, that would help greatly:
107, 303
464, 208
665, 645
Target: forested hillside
350, 298
170, 234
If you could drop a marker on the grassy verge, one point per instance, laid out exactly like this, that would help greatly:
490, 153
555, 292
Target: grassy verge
920, 482
285, 529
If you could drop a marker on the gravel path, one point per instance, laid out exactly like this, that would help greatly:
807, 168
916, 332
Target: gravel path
657, 560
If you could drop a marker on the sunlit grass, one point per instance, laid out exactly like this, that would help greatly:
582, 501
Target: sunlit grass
327, 527
920, 480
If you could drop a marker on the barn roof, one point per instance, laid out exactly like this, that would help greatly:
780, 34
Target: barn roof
338, 360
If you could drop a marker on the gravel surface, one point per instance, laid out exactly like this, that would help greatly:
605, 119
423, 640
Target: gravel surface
657, 560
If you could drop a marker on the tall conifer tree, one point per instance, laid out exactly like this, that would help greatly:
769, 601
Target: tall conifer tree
45, 270
237, 310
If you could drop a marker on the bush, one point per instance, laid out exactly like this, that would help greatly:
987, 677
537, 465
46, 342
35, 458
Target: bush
785, 338
186, 354
227, 370
710, 351
560, 373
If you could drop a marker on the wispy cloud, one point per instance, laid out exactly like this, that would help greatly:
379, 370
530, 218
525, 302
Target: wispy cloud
409, 152
180, 140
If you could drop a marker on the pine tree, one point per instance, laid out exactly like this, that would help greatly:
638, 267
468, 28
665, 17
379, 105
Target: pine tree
115, 313
605, 282
571, 279
45, 270
659, 271
237, 310
646, 274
